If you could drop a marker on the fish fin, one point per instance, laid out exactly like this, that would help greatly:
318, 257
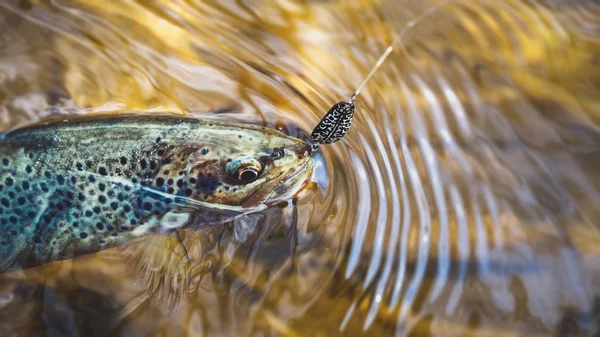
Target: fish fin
161, 265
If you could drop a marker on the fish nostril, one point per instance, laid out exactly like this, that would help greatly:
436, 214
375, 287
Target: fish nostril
303, 151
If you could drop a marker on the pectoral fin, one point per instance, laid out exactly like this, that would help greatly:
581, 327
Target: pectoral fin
161, 266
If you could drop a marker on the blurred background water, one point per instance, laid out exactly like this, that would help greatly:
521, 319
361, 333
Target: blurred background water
463, 202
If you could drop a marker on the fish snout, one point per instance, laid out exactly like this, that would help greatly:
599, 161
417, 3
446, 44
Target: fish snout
302, 150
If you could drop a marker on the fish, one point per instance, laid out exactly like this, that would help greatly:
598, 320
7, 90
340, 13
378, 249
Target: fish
82, 185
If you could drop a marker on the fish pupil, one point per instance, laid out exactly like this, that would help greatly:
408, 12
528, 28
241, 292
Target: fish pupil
248, 175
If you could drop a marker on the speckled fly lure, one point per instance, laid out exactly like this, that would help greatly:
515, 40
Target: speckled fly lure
336, 123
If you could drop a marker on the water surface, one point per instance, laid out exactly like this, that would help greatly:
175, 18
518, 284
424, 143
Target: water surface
463, 202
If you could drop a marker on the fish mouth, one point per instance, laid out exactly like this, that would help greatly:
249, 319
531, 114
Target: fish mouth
283, 189
293, 184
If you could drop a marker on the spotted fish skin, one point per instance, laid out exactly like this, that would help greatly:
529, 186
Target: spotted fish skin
83, 185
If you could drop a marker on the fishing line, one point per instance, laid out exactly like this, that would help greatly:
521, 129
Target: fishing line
336, 123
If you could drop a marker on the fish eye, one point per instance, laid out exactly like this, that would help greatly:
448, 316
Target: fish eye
278, 153
247, 174
244, 169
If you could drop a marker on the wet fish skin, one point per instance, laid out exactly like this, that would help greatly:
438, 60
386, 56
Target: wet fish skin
83, 185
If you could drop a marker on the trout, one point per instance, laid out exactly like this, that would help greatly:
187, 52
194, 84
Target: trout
82, 185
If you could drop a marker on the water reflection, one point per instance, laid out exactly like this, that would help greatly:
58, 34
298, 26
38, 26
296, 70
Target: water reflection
464, 201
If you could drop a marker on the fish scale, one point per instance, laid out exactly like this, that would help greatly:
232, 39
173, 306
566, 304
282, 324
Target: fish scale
56, 211
81, 186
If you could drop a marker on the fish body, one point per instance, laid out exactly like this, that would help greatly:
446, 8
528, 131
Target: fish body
79, 186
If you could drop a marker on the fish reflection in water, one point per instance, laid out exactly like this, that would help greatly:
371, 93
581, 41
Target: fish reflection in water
463, 201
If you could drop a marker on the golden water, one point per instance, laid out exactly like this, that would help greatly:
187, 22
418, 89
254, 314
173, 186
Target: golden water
464, 201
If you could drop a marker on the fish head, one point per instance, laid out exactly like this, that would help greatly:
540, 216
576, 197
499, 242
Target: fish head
248, 167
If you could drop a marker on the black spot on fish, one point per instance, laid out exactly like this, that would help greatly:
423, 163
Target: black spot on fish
21, 201
240, 136
153, 165
204, 151
102, 171
9, 181
83, 235
114, 206
89, 213
102, 199
100, 226
158, 140
13, 220
73, 180
123, 161
207, 185
5, 202
160, 182
97, 210
91, 178
44, 187
126, 208
5, 162
60, 179
48, 175
75, 224
147, 206
31, 215
79, 166
143, 164
102, 187
28, 169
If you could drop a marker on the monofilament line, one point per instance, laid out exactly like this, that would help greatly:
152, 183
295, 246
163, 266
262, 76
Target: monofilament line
336, 123
391, 47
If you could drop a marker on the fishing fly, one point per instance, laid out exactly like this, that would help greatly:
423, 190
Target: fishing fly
336, 122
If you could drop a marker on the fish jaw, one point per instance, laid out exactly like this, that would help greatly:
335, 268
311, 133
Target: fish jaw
283, 189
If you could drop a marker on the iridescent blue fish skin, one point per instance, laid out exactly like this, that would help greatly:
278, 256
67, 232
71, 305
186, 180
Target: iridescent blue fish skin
79, 186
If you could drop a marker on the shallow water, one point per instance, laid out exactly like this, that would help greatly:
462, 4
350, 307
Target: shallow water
463, 202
